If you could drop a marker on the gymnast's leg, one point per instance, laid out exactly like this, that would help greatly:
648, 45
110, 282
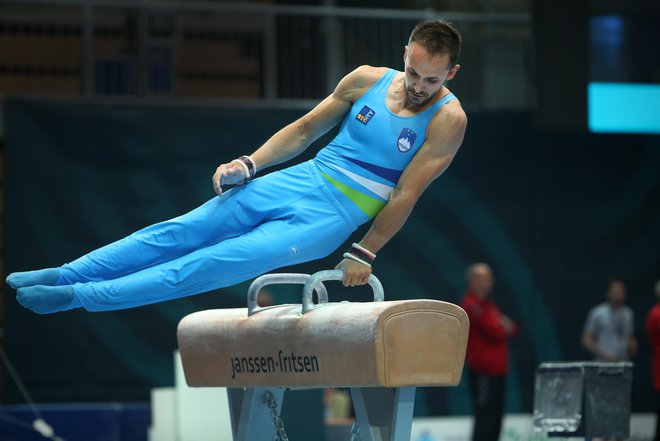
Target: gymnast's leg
218, 219
299, 221
276, 243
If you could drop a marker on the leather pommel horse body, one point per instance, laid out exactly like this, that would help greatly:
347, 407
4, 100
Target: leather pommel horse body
382, 350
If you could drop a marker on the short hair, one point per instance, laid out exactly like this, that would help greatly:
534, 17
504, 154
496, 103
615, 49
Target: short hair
438, 36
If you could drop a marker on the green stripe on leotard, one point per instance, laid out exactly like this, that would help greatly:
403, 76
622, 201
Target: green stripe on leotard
370, 206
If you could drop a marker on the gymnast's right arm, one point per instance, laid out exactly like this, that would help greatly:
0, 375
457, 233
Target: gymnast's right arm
293, 139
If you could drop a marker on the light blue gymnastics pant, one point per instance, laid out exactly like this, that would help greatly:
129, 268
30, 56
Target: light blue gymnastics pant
284, 218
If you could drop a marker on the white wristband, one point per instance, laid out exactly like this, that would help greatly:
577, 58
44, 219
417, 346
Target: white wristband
364, 250
357, 259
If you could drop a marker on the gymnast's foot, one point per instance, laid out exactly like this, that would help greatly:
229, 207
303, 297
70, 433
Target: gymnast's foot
47, 299
48, 276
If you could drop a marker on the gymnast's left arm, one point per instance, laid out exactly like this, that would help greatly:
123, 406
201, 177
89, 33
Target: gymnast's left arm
293, 139
444, 137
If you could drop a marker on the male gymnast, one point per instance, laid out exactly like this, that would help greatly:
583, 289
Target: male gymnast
399, 131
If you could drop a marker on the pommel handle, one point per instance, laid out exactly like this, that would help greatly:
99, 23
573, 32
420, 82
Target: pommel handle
315, 282
281, 279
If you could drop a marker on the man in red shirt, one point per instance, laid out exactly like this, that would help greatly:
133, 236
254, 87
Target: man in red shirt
653, 332
487, 352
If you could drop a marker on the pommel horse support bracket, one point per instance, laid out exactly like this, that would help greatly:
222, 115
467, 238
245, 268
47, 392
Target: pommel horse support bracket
381, 350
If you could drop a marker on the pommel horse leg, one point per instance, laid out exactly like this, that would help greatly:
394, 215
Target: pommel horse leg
384, 414
252, 415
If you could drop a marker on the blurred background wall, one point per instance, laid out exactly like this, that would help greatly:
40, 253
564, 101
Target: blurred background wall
115, 115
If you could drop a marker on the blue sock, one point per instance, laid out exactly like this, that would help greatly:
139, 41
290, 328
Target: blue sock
48, 276
47, 299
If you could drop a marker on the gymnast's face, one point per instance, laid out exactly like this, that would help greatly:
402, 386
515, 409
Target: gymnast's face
425, 74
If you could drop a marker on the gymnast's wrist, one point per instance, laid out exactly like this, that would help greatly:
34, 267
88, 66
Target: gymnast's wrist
354, 258
248, 165
360, 254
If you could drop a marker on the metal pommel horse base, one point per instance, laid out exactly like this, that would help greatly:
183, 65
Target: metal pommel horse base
381, 350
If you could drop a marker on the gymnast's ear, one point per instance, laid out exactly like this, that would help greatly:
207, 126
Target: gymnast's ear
453, 71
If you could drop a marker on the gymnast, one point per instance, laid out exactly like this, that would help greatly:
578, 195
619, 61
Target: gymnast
399, 131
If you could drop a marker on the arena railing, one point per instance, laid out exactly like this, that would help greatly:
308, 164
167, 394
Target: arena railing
243, 51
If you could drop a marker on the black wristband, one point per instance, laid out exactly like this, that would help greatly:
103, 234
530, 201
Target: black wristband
360, 255
249, 163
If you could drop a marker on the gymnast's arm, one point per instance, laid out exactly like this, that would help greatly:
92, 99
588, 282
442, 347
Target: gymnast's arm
294, 139
444, 137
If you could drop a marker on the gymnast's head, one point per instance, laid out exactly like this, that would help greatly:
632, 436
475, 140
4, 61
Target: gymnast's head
480, 279
431, 59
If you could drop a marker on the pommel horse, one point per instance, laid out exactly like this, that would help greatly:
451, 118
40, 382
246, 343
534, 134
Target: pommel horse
381, 350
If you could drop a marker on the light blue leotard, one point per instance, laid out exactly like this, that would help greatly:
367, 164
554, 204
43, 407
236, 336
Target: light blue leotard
284, 218
365, 160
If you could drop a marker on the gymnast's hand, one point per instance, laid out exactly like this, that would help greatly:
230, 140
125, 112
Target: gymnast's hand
355, 273
227, 174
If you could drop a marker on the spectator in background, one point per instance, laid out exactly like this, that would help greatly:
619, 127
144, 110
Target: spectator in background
609, 330
653, 332
487, 352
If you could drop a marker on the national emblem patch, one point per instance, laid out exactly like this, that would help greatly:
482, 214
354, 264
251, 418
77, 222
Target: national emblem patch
406, 140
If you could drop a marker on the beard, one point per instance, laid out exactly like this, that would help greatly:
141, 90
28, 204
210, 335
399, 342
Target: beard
418, 99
